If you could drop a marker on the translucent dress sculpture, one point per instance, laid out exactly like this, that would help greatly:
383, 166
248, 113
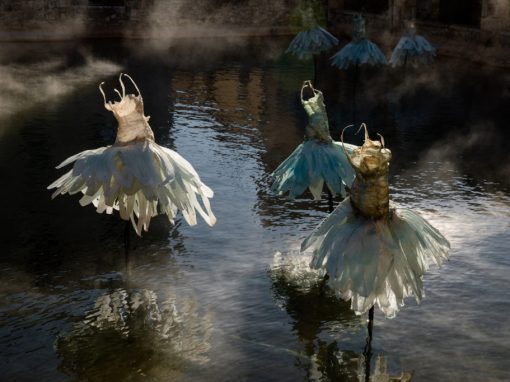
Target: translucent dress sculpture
412, 50
360, 51
374, 251
313, 39
318, 159
135, 175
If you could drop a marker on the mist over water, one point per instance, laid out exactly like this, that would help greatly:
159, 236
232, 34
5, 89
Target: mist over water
35, 77
236, 301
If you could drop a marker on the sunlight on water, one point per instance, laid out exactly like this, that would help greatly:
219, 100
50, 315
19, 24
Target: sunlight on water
238, 301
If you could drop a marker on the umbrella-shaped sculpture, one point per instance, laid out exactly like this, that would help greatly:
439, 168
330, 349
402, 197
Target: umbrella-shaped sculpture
318, 160
374, 251
360, 51
412, 49
313, 39
135, 175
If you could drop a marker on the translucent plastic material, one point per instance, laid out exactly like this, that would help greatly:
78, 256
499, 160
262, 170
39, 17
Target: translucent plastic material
311, 42
313, 39
136, 176
412, 50
360, 51
374, 251
318, 160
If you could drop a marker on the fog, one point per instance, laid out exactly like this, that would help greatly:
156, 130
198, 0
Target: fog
25, 85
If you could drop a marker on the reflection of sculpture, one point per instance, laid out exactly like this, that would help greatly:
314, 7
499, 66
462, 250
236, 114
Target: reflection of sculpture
374, 251
412, 49
381, 372
318, 160
128, 333
313, 39
300, 291
135, 176
360, 51
332, 364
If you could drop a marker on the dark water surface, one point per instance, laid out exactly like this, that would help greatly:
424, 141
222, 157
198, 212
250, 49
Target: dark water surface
235, 302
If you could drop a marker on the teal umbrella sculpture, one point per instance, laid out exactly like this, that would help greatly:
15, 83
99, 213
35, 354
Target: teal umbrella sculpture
313, 39
412, 49
318, 160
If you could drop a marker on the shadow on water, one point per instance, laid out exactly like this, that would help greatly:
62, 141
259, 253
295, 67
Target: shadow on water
315, 310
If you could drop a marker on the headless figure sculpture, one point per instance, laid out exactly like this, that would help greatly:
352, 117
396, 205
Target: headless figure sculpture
318, 126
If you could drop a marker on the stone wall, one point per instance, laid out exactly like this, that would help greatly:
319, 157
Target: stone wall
496, 15
70, 19
486, 42
39, 13
133, 14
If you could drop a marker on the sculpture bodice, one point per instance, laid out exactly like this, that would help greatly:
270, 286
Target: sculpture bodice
358, 28
370, 191
410, 28
307, 18
133, 124
318, 126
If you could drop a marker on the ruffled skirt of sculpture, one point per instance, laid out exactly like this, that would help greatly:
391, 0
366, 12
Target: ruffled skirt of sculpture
310, 42
358, 53
137, 179
310, 166
376, 261
412, 51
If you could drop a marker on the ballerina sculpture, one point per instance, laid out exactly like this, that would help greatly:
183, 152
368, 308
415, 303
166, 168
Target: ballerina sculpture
135, 175
374, 251
412, 49
318, 159
312, 39
360, 51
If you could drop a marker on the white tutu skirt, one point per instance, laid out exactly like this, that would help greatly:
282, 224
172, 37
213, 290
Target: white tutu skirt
412, 51
310, 166
358, 53
310, 42
376, 261
139, 180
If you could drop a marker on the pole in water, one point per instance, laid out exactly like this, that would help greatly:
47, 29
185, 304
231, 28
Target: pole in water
314, 70
367, 353
370, 322
355, 84
127, 242
330, 200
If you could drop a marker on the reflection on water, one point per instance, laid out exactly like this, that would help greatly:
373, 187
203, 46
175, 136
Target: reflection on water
314, 308
331, 364
129, 333
234, 114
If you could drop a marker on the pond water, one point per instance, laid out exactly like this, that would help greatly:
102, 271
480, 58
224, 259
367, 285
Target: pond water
235, 302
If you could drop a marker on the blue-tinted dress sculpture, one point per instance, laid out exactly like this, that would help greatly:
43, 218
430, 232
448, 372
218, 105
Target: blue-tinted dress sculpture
318, 159
373, 250
313, 39
412, 50
135, 175
360, 51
